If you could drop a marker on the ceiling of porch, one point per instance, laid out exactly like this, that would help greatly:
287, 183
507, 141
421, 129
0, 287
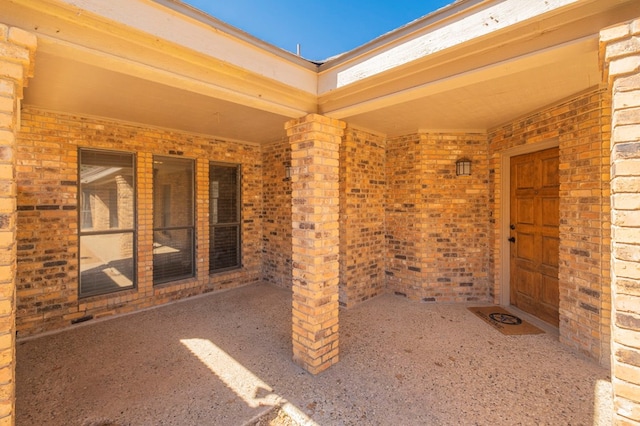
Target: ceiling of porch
483, 98
76, 87
474, 85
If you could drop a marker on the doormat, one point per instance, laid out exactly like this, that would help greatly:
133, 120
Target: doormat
505, 322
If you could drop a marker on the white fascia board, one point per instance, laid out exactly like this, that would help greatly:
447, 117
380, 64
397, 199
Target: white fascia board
166, 77
551, 55
170, 25
472, 24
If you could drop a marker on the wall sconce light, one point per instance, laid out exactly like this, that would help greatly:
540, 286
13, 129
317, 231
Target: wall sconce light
287, 171
463, 167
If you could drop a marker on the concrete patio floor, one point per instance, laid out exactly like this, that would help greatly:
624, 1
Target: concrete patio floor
225, 359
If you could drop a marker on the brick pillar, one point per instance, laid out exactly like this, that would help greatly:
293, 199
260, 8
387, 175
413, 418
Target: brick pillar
621, 47
17, 49
315, 142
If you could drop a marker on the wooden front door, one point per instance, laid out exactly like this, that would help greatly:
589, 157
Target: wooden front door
534, 234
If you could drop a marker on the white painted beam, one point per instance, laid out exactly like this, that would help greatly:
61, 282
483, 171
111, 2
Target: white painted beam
471, 24
157, 25
169, 78
495, 71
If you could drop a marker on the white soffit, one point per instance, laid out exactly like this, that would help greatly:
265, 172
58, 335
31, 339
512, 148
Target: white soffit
486, 103
550, 60
147, 40
194, 79
177, 25
154, 67
106, 93
472, 65
474, 23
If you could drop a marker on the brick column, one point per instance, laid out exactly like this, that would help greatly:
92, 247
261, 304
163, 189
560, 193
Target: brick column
315, 143
621, 47
17, 49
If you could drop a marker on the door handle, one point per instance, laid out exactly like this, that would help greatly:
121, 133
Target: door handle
512, 239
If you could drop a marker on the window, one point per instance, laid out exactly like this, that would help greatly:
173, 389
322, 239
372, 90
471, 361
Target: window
107, 226
173, 219
224, 217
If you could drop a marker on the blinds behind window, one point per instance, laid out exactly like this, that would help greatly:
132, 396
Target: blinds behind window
224, 251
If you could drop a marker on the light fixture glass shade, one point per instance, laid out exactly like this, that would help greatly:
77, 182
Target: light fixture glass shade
463, 167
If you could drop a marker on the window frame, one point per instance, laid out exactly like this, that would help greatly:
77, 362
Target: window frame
81, 203
237, 223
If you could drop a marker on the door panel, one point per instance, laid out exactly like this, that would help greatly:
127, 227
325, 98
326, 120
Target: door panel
527, 283
525, 175
526, 247
550, 252
550, 212
550, 176
550, 294
524, 207
535, 218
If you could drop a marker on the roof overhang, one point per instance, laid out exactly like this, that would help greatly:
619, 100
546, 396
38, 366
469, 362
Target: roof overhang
161, 64
469, 66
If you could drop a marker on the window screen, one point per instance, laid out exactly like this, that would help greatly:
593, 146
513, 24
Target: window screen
224, 217
106, 198
173, 219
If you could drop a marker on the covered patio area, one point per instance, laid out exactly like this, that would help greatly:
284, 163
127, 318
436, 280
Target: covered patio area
486, 153
224, 359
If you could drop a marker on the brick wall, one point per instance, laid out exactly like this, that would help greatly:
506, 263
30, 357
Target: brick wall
276, 225
46, 173
622, 70
17, 49
437, 223
579, 126
362, 190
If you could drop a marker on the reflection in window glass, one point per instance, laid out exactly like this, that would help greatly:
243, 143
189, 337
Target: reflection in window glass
224, 217
106, 214
173, 219
106, 263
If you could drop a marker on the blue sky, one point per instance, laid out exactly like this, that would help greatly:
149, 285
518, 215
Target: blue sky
323, 28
